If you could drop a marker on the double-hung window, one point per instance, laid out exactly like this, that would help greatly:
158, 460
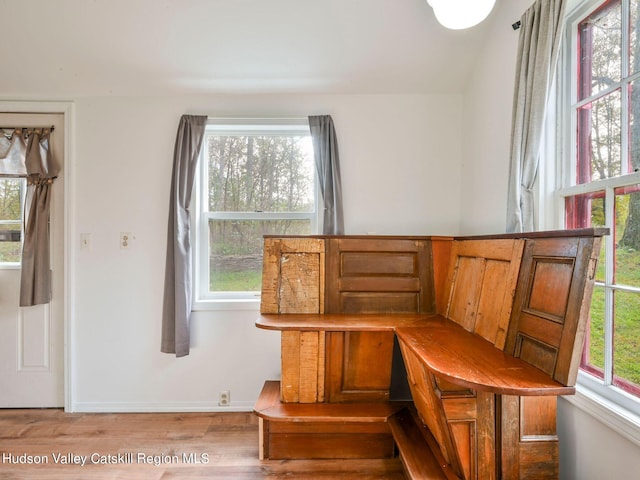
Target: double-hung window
256, 177
12, 194
601, 184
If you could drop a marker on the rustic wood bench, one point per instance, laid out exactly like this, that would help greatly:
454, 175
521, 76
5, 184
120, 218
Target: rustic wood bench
484, 332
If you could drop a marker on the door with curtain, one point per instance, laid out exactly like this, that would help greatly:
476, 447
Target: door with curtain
32, 338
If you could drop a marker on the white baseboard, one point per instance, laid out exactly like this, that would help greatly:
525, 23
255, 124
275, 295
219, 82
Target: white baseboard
164, 407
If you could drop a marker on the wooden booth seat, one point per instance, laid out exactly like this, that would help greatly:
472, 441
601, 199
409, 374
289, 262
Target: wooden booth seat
449, 351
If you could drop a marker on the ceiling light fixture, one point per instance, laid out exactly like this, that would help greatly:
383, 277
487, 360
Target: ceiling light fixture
459, 14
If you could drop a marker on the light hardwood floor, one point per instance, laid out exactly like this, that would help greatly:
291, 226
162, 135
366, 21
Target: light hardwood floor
155, 447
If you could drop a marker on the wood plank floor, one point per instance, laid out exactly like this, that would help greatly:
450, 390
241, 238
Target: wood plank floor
155, 447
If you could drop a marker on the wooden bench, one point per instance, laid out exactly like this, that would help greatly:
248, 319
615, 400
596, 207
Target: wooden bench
484, 332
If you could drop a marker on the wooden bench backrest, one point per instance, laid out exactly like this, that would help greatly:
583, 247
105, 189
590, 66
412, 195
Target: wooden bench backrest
373, 275
481, 284
551, 305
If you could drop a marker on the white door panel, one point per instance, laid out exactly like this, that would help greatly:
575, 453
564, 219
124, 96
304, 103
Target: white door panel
32, 338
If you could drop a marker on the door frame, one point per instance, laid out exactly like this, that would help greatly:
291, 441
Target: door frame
67, 109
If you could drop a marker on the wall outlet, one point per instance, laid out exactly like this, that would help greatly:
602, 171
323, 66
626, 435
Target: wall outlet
225, 398
125, 240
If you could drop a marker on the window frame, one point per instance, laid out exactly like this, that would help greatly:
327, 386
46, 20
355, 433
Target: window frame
236, 300
613, 406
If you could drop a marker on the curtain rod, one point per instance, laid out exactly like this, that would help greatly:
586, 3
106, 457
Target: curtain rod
51, 128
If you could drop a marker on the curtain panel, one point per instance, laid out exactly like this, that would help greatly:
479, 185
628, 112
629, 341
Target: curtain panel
25, 153
327, 159
541, 29
178, 278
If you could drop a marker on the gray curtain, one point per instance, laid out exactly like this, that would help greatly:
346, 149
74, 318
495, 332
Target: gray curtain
177, 284
541, 28
26, 153
325, 149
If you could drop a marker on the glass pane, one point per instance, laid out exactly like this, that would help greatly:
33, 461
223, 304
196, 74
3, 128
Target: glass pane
626, 340
600, 47
11, 191
593, 354
260, 173
634, 127
584, 211
634, 23
11, 195
235, 253
627, 236
10, 244
599, 139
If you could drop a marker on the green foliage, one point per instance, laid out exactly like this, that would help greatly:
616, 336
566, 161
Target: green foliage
10, 194
627, 320
10, 252
245, 281
259, 174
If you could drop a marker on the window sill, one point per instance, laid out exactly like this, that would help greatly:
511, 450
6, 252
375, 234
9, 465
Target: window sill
613, 415
10, 266
227, 304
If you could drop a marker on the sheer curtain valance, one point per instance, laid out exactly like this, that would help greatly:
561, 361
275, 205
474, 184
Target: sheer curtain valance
25, 153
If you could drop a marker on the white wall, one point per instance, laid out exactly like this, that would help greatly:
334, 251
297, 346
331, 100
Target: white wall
401, 175
588, 448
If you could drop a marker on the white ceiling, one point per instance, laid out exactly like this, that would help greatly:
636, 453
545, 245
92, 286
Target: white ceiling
139, 47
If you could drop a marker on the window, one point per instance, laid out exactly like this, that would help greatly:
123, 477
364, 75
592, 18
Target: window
12, 193
601, 184
255, 178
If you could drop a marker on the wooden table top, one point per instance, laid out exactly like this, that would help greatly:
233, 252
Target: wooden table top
443, 347
340, 322
466, 359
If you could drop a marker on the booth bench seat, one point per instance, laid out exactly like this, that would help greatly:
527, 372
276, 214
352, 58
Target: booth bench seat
448, 351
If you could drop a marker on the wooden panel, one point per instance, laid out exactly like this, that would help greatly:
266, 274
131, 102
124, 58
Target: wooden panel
537, 353
417, 448
529, 445
293, 275
481, 283
487, 437
449, 389
550, 282
294, 427
359, 366
551, 304
378, 263
465, 291
299, 283
372, 276
367, 302
538, 418
441, 253
430, 407
539, 461
330, 445
290, 384
460, 409
379, 275
302, 366
464, 436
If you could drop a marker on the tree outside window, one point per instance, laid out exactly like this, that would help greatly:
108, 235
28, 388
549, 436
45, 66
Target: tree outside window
256, 180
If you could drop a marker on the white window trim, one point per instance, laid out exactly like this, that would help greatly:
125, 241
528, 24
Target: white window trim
236, 301
608, 404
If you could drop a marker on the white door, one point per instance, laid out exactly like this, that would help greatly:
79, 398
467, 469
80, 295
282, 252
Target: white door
32, 338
